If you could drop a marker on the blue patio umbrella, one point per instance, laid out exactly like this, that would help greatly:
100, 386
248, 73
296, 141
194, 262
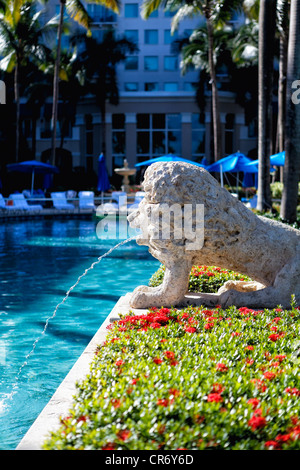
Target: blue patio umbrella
103, 180
277, 159
167, 158
33, 167
234, 163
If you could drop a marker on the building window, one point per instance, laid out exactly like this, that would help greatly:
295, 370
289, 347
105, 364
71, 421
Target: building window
171, 86
158, 134
151, 86
101, 14
154, 14
131, 10
253, 128
168, 37
151, 63
118, 139
198, 135
132, 35
169, 14
229, 133
151, 36
89, 135
170, 63
190, 86
62, 127
131, 86
132, 63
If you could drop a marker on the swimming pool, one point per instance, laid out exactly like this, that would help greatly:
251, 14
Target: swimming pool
40, 261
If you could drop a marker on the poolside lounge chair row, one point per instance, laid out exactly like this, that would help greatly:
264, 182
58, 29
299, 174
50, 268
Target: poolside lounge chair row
59, 199
60, 202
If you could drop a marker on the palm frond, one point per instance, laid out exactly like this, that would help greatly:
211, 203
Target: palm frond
186, 11
77, 12
7, 64
113, 5
149, 6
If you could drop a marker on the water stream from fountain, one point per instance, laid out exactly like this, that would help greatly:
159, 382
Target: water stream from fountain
14, 386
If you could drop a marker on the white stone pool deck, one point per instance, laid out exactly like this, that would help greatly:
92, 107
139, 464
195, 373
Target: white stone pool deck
62, 400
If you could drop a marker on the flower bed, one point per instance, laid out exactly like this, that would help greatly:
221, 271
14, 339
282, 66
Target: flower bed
202, 278
191, 379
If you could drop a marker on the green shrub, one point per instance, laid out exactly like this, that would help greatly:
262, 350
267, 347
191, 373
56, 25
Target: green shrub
202, 278
192, 379
277, 189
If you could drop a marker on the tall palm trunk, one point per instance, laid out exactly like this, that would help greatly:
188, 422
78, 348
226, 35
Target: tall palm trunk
292, 130
267, 23
18, 107
282, 92
214, 89
56, 80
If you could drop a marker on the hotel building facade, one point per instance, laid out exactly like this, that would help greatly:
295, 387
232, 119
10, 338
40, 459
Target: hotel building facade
157, 111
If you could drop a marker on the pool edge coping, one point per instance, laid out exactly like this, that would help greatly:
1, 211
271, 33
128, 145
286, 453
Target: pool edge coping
63, 398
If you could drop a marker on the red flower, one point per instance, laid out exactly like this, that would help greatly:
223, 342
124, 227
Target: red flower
165, 311
174, 392
173, 362
169, 354
257, 422
123, 434
269, 375
155, 325
254, 402
217, 388
259, 384
157, 360
82, 418
190, 329
236, 333
221, 367
273, 444
214, 397
293, 391
109, 446
250, 348
116, 402
119, 363
134, 381
209, 326
274, 337
283, 437
163, 402
280, 357
114, 339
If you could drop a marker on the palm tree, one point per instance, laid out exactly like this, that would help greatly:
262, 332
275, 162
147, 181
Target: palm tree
99, 76
267, 26
216, 14
20, 43
283, 28
77, 11
292, 130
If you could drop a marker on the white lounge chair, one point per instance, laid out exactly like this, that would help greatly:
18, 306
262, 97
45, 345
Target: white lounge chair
20, 203
139, 196
86, 200
120, 197
60, 201
3, 205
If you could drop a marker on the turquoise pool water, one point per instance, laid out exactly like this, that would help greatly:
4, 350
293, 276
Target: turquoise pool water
40, 260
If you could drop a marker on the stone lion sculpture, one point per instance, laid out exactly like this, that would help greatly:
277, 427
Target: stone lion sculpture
229, 236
